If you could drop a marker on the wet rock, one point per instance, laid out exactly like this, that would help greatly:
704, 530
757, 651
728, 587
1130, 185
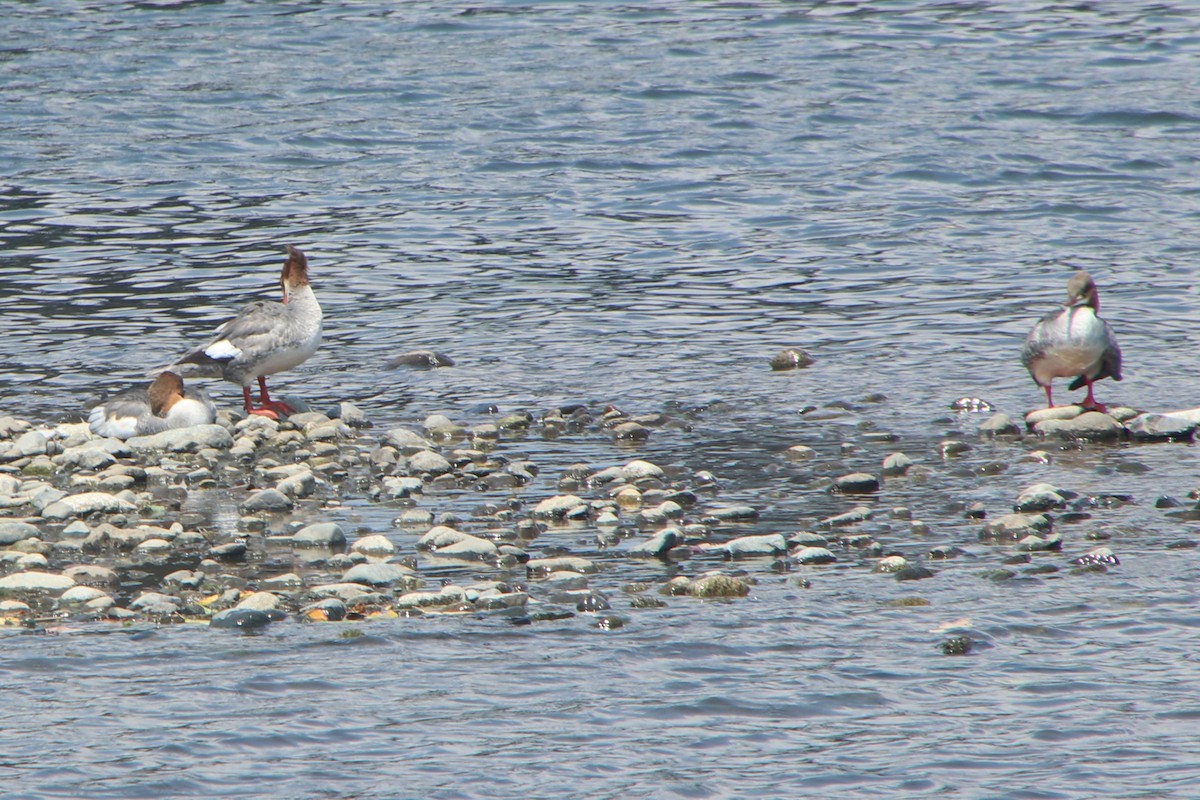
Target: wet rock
758, 546
630, 431
914, 572
791, 358
1162, 428
813, 555
320, 534
260, 601
268, 500
1088, 426
958, 646
971, 405
245, 619
1014, 527
421, 359
80, 595
381, 575
31, 443
565, 580
376, 545
184, 440
447, 596
896, 464
557, 507
300, 484
733, 513
13, 532
718, 585
799, 452
1040, 497
856, 483
852, 517
329, 610
35, 582
1103, 556
657, 545
1034, 543
407, 442
891, 564
544, 566
999, 424
352, 415
450, 543
428, 462
639, 470
953, 448
82, 505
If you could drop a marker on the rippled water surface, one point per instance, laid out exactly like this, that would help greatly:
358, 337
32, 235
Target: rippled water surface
638, 205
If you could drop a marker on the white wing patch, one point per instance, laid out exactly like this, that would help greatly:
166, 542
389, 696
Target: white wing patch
222, 350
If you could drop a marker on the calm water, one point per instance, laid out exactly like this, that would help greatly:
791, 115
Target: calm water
631, 204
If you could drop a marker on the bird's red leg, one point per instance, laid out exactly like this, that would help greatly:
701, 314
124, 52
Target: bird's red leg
1090, 403
265, 400
261, 411
1049, 399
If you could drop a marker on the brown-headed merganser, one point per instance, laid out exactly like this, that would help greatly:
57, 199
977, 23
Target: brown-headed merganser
1073, 343
264, 338
138, 412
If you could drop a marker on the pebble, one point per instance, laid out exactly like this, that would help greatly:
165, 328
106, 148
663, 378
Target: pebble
999, 424
1041, 497
375, 545
1162, 428
896, 464
557, 507
657, 545
813, 555
756, 546
382, 575
718, 585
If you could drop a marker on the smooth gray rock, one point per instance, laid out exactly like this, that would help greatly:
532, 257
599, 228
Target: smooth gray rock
270, 500
1089, 426
1015, 527
87, 503
852, 517
352, 415
374, 545
856, 483
13, 532
1162, 428
381, 575
35, 581
1040, 497
421, 359
733, 513
813, 555
758, 546
184, 440
657, 545
557, 507
407, 442
999, 424
428, 462
31, 443
320, 534
301, 484
896, 464
791, 358
260, 601
245, 619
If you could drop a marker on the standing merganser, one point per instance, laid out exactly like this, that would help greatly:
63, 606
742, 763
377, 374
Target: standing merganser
1073, 343
264, 338
138, 412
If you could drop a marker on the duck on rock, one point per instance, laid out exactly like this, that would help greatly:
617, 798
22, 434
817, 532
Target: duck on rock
1073, 342
139, 412
264, 338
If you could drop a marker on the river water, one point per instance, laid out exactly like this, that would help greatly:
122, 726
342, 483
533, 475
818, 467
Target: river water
638, 205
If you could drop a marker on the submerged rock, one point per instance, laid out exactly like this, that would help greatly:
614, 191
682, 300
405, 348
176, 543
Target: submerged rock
1088, 426
791, 358
421, 359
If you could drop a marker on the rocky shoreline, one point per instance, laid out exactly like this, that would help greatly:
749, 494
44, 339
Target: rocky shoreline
235, 524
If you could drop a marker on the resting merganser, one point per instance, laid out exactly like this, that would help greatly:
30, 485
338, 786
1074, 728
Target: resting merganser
264, 338
1073, 343
138, 412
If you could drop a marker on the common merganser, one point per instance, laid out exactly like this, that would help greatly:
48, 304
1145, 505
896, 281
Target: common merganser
138, 412
1073, 342
264, 338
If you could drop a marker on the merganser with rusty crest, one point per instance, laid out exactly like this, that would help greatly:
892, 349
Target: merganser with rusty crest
138, 412
1074, 342
264, 338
